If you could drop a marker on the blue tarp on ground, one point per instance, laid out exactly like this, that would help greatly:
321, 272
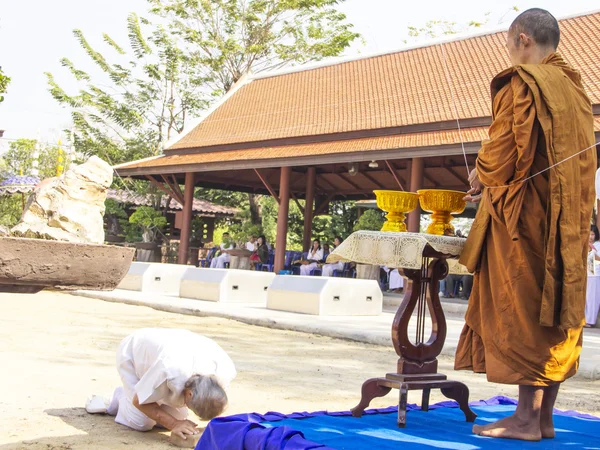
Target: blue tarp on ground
443, 427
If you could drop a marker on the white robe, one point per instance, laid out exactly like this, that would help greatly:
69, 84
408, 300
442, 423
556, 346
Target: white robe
592, 303
219, 261
305, 269
396, 280
329, 268
155, 364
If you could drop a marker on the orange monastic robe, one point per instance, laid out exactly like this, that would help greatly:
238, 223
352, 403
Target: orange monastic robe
528, 244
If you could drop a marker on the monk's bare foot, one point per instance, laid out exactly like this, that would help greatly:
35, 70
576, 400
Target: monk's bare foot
547, 427
511, 428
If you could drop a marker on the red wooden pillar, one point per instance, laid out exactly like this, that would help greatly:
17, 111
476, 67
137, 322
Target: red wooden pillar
309, 208
282, 218
188, 199
417, 168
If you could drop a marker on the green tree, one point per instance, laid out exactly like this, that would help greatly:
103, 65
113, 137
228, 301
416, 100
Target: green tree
371, 219
11, 208
4, 81
436, 28
229, 38
21, 154
149, 221
145, 98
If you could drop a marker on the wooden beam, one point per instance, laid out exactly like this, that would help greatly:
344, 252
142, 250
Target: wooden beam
297, 202
339, 192
457, 176
296, 177
161, 187
428, 177
394, 174
329, 183
176, 196
269, 187
177, 187
400, 177
372, 180
319, 209
350, 182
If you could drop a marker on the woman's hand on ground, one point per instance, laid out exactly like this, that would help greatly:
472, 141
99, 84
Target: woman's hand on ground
185, 427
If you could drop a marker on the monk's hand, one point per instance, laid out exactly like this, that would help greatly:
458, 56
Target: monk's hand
184, 427
473, 196
476, 186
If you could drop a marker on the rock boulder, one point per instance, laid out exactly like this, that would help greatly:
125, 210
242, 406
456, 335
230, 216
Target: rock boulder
70, 207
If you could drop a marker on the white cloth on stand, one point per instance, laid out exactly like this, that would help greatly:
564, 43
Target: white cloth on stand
155, 364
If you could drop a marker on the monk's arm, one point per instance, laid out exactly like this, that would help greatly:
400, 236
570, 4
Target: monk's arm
508, 154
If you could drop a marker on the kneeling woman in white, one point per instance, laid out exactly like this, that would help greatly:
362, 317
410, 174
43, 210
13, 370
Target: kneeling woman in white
165, 372
329, 268
315, 254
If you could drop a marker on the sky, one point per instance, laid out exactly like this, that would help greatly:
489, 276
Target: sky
36, 34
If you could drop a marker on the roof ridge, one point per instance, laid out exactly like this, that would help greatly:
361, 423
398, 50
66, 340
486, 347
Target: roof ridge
464, 36
244, 80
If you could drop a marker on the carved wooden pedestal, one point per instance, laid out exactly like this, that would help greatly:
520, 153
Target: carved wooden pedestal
417, 366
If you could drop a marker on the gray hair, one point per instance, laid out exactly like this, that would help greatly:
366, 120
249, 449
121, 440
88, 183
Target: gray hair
540, 25
208, 396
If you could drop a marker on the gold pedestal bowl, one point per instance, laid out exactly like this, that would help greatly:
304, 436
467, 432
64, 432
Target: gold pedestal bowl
442, 204
396, 204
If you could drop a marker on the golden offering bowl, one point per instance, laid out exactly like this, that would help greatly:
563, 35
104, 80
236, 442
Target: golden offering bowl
442, 204
396, 204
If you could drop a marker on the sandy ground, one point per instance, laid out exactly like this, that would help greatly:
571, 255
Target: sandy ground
56, 349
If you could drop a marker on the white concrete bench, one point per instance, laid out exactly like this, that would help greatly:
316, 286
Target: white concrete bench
226, 285
324, 296
155, 278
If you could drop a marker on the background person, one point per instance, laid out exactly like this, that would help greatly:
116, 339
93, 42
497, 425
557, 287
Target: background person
592, 301
314, 256
224, 258
329, 268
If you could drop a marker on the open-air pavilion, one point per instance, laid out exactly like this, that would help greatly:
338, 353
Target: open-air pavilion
341, 129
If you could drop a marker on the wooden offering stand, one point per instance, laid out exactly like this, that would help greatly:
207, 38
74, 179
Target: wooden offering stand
417, 365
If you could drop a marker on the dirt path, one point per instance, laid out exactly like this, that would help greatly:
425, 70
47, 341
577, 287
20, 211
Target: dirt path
56, 349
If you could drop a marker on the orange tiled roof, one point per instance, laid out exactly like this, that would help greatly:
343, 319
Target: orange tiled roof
393, 90
206, 208
401, 141
366, 145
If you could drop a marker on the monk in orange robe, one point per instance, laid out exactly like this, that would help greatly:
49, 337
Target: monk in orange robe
528, 244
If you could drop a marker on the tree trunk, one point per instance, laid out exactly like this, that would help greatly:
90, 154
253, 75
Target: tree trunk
254, 209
